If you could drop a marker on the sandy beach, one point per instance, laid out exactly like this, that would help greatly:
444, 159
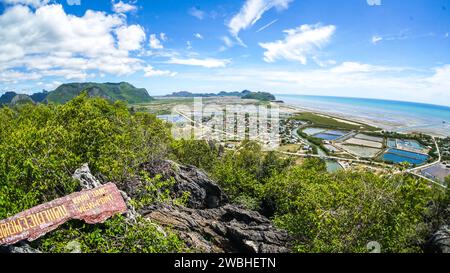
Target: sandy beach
401, 125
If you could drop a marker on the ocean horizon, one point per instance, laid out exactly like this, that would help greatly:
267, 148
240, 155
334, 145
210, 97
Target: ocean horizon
400, 116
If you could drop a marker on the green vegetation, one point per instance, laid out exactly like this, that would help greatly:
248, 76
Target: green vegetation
261, 96
162, 106
114, 236
317, 142
42, 145
331, 123
112, 91
7, 98
344, 211
340, 212
246, 94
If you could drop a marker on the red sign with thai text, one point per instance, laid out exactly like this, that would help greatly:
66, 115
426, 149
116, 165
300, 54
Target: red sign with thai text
92, 206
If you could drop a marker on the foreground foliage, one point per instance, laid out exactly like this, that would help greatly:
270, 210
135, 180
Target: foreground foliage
114, 236
41, 146
341, 212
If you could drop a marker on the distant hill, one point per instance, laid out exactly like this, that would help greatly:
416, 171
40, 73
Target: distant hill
262, 96
39, 97
12, 98
21, 99
111, 91
7, 97
246, 94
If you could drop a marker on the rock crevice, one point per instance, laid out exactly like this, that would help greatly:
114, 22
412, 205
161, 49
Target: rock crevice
209, 222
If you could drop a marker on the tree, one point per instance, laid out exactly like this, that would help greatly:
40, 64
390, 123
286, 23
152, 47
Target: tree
42, 145
343, 212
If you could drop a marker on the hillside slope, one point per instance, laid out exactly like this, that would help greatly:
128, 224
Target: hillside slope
111, 91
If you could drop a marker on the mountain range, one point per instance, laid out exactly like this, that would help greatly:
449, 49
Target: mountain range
246, 94
112, 91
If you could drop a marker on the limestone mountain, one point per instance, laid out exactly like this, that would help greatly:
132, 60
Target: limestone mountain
246, 94
12, 98
112, 91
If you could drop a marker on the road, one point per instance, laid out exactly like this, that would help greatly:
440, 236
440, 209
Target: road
416, 171
337, 158
431, 164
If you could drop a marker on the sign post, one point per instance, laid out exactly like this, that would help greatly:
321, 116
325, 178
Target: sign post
92, 206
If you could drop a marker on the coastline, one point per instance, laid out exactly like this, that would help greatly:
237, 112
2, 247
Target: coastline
407, 126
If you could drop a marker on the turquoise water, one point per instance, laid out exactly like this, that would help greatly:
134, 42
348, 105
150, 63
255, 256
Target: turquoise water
399, 156
392, 143
407, 116
172, 118
410, 143
326, 136
313, 131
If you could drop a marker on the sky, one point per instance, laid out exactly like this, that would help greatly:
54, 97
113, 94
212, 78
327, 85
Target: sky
385, 49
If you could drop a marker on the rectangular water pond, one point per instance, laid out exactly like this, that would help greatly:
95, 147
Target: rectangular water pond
326, 136
313, 131
392, 143
400, 156
336, 132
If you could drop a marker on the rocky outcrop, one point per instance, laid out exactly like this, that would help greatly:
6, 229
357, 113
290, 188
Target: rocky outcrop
210, 223
86, 179
203, 192
225, 229
20, 248
440, 241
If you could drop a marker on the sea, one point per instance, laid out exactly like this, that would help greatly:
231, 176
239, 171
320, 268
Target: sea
399, 116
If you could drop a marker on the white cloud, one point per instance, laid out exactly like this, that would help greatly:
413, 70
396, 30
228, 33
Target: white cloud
155, 43
73, 2
188, 45
374, 2
150, 71
198, 36
163, 37
376, 39
355, 67
441, 77
298, 43
227, 41
32, 3
130, 38
197, 13
251, 12
121, 7
350, 79
208, 63
267, 25
48, 42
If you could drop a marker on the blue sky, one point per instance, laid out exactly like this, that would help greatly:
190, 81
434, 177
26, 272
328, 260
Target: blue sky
388, 49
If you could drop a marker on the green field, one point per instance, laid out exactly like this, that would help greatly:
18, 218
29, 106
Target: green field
162, 106
331, 123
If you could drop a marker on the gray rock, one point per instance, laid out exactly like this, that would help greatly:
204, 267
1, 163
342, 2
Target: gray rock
225, 229
210, 223
87, 180
440, 241
204, 193
19, 248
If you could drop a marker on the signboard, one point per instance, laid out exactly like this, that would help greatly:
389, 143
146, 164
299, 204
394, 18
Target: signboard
92, 206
